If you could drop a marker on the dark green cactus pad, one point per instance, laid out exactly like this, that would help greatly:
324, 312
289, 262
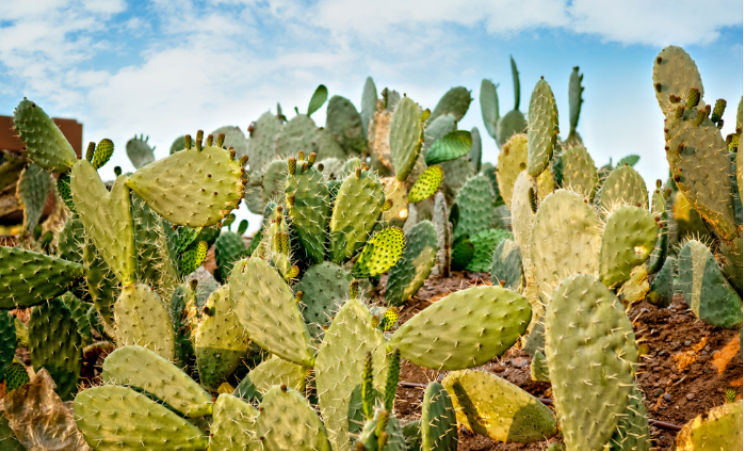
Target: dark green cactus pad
489, 103
369, 103
436, 129
405, 137
484, 245
579, 171
325, 288
674, 73
220, 340
103, 286
149, 425
438, 423
539, 368
309, 211
8, 339
632, 433
661, 246
456, 174
624, 186
456, 102
512, 161
586, 325
140, 368
542, 129
412, 435
299, 134
183, 300
79, 311
262, 141
276, 371
380, 253
661, 293
64, 190
357, 418
44, 141
370, 440
55, 344
177, 145
260, 296
228, 249
139, 151
15, 375
435, 338
303, 430
233, 425
506, 265
154, 264
72, 240
462, 252
451, 146
627, 241
492, 406
344, 124
28, 278
707, 292
274, 181
476, 150
475, 201
720, 428
235, 138
575, 100
512, 123
142, 319
104, 151
340, 363
411, 271
33, 187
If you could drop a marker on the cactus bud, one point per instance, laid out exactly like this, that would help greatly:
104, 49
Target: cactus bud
220, 139
243, 226
391, 317
304, 167
673, 98
294, 272
199, 138
298, 296
693, 98
292, 165
311, 159
232, 153
103, 153
284, 241
37, 232
283, 388
187, 142
375, 321
680, 112
701, 115
392, 379
658, 183
301, 155
321, 167
210, 139
354, 289
358, 172
387, 205
658, 87
117, 170
243, 160
290, 200
251, 128
383, 417
90, 151
718, 110
719, 124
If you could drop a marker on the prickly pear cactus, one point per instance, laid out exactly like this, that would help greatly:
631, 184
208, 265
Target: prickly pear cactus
512, 161
344, 124
719, 429
413, 268
476, 209
325, 288
484, 245
542, 128
450, 147
624, 186
489, 103
299, 134
627, 242
155, 266
228, 249
506, 265
512, 122
456, 102
139, 151
276, 371
44, 141
426, 185
575, 100
234, 425
33, 187
632, 432
142, 319
8, 339
674, 73
438, 423
382, 251
405, 137
309, 208
661, 292
579, 171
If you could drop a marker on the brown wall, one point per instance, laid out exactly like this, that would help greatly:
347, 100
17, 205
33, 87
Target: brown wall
72, 129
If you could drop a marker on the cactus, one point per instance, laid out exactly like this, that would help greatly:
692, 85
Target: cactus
661, 246
155, 266
661, 291
484, 245
33, 187
579, 171
674, 74
456, 102
369, 104
234, 138
228, 249
379, 140
491, 406
275, 371
489, 103
318, 99
103, 286
263, 136
79, 311
475, 313
415, 265
309, 208
344, 124
542, 130
506, 265
149, 425
8, 340
298, 135
45, 144
382, 251
15, 375
139, 151
632, 432
476, 210
405, 137
28, 278
720, 428
624, 186
512, 161
438, 423
397, 195
586, 325
476, 150
325, 287
138, 367
512, 122
575, 100
539, 368
451, 146
627, 241
142, 319
444, 235
462, 252
234, 425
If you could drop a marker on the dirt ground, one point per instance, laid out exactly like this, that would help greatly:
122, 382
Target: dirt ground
685, 369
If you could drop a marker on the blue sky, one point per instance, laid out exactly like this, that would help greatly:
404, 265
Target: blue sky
169, 67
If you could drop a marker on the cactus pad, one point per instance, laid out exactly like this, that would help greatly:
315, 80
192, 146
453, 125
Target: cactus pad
438, 423
397, 194
234, 425
542, 129
276, 371
382, 251
44, 141
142, 319
506, 265
344, 124
484, 245
475, 201
455, 102
462, 252
405, 137
33, 187
228, 249
303, 430
299, 134
489, 103
579, 171
139, 151
309, 211
414, 267
632, 432
427, 184
8, 339
674, 73
628, 239
15, 375
449, 147
719, 429
662, 286
624, 186
325, 287
263, 141
512, 161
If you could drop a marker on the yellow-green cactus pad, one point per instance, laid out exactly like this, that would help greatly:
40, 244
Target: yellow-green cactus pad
627, 241
405, 137
542, 128
624, 186
381, 253
276, 371
512, 161
579, 171
286, 421
718, 430
427, 184
233, 425
142, 319
45, 143
674, 73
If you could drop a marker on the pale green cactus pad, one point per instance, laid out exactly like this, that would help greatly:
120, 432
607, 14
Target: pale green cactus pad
44, 141
405, 137
415, 265
624, 186
506, 265
455, 102
675, 72
465, 329
489, 103
135, 366
542, 128
302, 430
512, 161
632, 432
627, 241
492, 406
719, 429
276, 371
142, 319
579, 171
233, 425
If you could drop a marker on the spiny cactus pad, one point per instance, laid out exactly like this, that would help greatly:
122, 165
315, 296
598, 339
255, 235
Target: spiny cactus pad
512, 161
325, 287
15, 375
309, 210
506, 265
484, 244
33, 187
579, 171
228, 249
302, 430
438, 423
107, 219
586, 327
382, 251
661, 291
103, 286
135, 366
148, 424
405, 137
674, 73
427, 184
299, 134
491, 406
263, 140
142, 319
233, 425
193, 187
456, 102
475, 201
44, 141
542, 129
414, 267
624, 186
719, 429
139, 151
268, 311
8, 339
276, 371
451, 146
632, 432
465, 329
155, 266
627, 241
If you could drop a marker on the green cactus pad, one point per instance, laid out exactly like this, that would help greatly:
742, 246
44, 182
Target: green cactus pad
138, 367
512, 161
228, 249
397, 194
301, 431
28, 278
356, 210
340, 363
572, 226
139, 151
661, 246
103, 286
220, 340
79, 311
707, 292
632, 433
624, 186
627, 241
55, 344
155, 266
661, 292
182, 186
539, 368
523, 218
235, 138
451, 146
575, 100
8, 339
310, 211
382, 251
475, 201
33, 187
44, 141
15, 375
484, 245
414, 267
260, 297
262, 141
444, 235
107, 219
455, 102
462, 252
636, 287
719, 429
674, 73
579, 171
506, 265
276, 371
436, 130
492, 406
142, 319
299, 134
465, 329
438, 423
344, 124
370, 435
586, 327
369, 103
325, 287
510, 124
542, 129
148, 424
489, 103
405, 137
456, 174
64, 190
233, 425
476, 150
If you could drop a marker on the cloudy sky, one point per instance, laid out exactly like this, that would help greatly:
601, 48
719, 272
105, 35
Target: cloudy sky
169, 67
